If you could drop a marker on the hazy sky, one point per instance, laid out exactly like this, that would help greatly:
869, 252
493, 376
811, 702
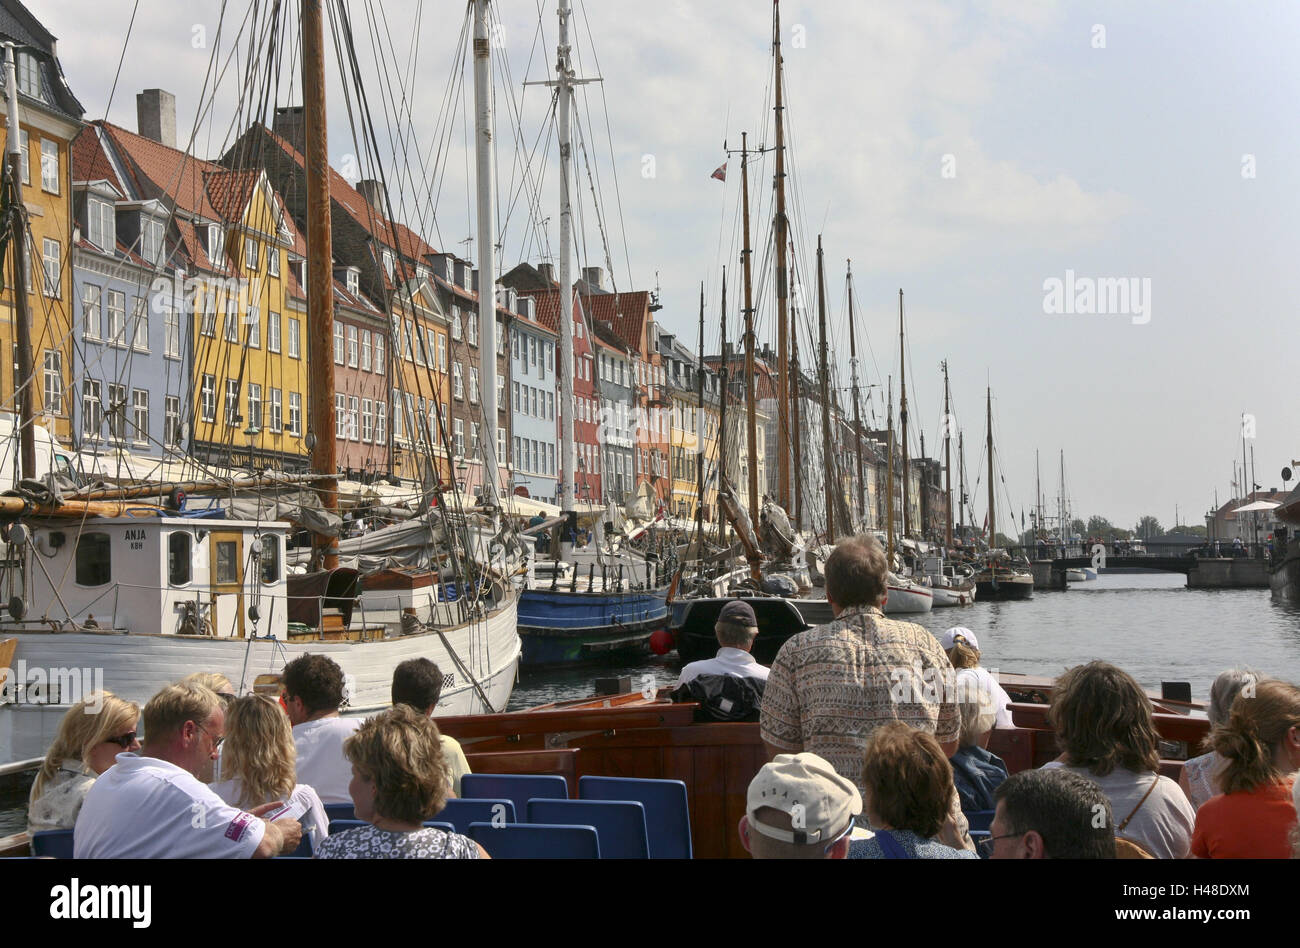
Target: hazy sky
969, 153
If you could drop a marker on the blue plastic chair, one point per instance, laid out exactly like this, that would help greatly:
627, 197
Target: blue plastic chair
620, 824
534, 841
978, 837
460, 812
517, 787
342, 826
52, 843
979, 819
339, 811
304, 850
445, 827
667, 814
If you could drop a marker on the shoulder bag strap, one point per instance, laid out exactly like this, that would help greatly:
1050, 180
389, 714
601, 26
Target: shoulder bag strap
1119, 829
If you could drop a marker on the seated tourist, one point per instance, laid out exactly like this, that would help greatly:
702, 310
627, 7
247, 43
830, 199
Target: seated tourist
313, 695
1104, 727
91, 735
154, 805
963, 650
736, 629
399, 780
417, 682
1254, 815
1198, 776
1051, 814
258, 759
976, 772
908, 783
798, 807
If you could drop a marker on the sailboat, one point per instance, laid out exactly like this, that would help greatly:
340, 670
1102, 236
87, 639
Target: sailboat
131, 587
998, 580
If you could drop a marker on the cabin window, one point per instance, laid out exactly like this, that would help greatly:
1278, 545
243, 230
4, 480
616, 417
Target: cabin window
270, 560
180, 558
227, 562
94, 559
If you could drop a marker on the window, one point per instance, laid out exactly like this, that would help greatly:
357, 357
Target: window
216, 242
367, 420
272, 262
340, 416
501, 392
227, 562
354, 282
381, 423
501, 339
354, 418
473, 385
116, 411
473, 437
514, 458
94, 559
90, 298
338, 343
459, 437
117, 317
151, 240
295, 337
380, 348
49, 165
398, 426
457, 381
254, 338
407, 348
208, 398
232, 401
422, 353
270, 560
442, 353
52, 258
550, 406
172, 421
27, 164
388, 263
207, 308
514, 346
472, 332
171, 332
501, 446
277, 410
254, 405
92, 407
295, 413
101, 223
532, 402
273, 331
365, 350
456, 329
550, 356
352, 347
550, 454
140, 411
54, 381
180, 558
232, 322
140, 320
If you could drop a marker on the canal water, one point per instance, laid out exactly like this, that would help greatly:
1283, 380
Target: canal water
1149, 624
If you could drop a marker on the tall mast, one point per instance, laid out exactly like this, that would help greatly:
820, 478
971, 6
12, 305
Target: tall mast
902, 415
857, 420
947, 454
889, 480
320, 292
1038, 498
961, 487
1061, 501
23, 382
699, 439
827, 459
992, 512
780, 226
796, 391
725, 380
487, 306
751, 408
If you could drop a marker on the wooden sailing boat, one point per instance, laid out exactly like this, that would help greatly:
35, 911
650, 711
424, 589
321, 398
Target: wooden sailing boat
950, 587
998, 580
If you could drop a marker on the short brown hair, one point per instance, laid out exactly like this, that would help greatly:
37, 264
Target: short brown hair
401, 751
1103, 720
857, 572
1256, 724
168, 710
317, 680
907, 778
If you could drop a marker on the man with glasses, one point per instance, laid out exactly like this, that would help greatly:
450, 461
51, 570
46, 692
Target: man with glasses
155, 804
798, 807
1050, 814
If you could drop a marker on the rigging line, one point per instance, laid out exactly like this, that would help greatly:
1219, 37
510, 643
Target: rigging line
117, 75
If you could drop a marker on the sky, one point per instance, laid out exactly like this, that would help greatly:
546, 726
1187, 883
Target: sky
998, 161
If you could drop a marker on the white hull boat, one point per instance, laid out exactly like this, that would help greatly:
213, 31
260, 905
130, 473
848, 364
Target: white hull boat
908, 599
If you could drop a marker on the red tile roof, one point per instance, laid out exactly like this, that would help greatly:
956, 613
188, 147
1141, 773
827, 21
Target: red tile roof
90, 163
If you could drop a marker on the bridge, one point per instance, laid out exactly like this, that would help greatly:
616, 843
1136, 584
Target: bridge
1234, 572
1161, 564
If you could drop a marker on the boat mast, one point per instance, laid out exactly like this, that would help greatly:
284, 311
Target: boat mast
857, 420
889, 481
780, 227
320, 292
794, 419
992, 511
699, 439
487, 309
23, 381
725, 380
902, 414
947, 452
1061, 502
827, 459
751, 408
961, 485
1038, 497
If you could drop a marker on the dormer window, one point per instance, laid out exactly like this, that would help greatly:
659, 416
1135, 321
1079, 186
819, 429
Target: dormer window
101, 222
422, 274
272, 261
388, 263
29, 75
216, 242
151, 240
354, 281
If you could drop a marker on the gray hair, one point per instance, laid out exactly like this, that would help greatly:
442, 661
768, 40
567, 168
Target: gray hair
731, 635
978, 709
1225, 689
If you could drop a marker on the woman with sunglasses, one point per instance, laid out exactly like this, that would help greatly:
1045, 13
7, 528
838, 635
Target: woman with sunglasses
91, 735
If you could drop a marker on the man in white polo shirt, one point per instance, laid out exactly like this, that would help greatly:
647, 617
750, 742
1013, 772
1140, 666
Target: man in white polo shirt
155, 804
736, 629
313, 694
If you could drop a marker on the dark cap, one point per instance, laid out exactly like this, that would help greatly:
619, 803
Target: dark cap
739, 612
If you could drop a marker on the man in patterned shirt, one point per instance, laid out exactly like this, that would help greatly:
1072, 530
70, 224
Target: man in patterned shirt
830, 686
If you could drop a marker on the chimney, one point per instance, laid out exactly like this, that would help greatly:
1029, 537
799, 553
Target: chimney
155, 112
373, 192
594, 276
290, 124
547, 272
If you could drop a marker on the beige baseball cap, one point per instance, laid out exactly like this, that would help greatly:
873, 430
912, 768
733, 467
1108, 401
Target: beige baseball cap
820, 802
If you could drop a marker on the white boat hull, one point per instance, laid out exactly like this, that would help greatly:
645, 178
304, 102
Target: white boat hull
944, 596
135, 666
908, 600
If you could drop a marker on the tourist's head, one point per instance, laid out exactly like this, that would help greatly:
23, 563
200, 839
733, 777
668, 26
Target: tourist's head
1261, 738
216, 682
1225, 689
259, 750
1103, 720
977, 706
857, 573
417, 682
737, 626
907, 779
185, 724
312, 684
798, 807
93, 731
1051, 814
961, 647
398, 771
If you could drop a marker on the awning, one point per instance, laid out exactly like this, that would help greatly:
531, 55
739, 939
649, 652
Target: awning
527, 507
1257, 505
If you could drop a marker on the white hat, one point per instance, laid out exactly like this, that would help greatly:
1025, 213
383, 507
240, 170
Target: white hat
948, 639
819, 801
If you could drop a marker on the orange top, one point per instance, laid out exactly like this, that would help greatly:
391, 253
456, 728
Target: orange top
1248, 825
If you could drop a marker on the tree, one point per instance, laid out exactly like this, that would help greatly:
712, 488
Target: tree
1078, 527
1099, 526
1149, 527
